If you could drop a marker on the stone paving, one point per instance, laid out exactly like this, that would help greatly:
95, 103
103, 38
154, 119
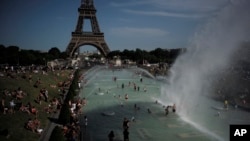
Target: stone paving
107, 107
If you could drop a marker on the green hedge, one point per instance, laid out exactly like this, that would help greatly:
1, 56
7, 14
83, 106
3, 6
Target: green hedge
57, 135
73, 87
64, 117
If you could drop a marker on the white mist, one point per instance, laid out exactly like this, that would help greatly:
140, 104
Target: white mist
209, 52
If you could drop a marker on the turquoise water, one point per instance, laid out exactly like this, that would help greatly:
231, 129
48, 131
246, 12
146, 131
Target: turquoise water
106, 96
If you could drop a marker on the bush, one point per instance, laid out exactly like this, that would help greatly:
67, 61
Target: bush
64, 117
73, 87
57, 134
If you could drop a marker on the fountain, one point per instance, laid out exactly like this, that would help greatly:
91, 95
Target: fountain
107, 107
191, 77
189, 85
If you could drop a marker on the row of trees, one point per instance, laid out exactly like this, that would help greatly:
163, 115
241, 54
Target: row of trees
13, 55
154, 56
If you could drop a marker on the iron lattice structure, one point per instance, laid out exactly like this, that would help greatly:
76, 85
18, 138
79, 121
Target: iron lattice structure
79, 37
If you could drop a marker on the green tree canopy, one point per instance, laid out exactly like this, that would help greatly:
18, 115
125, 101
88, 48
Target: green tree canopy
55, 52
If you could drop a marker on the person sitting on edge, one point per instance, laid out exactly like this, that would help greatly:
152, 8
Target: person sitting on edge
174, 108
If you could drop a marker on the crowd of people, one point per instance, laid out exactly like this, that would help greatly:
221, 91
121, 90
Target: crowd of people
233, 85
18, 100
72, 130
53, 104
126, 121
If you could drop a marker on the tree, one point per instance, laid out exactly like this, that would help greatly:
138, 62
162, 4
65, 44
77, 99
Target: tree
114, 53
128, 54
26, 57
63, 55
55, 52
95, 55
12, 55
3, 54
161, 54
64, 116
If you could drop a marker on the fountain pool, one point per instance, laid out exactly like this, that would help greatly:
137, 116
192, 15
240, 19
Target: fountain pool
104, 95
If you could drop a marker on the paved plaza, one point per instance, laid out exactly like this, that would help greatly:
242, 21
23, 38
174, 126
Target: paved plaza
107, 108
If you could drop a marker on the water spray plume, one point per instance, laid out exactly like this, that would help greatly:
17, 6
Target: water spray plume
209, 53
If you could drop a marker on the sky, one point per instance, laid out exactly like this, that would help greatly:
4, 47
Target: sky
126, 24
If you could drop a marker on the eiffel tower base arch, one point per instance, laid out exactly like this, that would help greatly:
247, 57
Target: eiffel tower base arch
96, 41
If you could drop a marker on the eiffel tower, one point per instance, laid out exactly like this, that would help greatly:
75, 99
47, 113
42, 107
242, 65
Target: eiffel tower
79, 37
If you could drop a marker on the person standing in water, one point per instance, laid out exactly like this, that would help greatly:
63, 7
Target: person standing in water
126, 135
226, 104
111, 135
122, 85
174, 108
166, 110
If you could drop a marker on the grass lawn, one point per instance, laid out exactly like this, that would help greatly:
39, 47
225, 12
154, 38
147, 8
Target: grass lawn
15, 123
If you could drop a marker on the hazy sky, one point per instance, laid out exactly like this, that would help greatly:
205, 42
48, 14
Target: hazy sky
127, 24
